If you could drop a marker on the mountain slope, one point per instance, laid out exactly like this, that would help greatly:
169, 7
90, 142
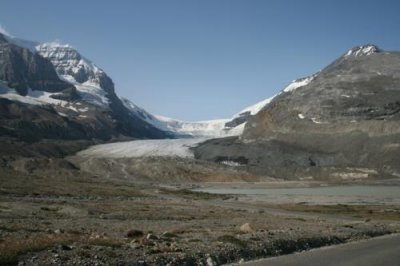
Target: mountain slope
358, 92
243, 116
95, 87
343, 123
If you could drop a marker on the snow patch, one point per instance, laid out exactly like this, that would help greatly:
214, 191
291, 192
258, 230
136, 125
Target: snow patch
92, 94
254, 109
82, 110
89, 92
295, 84
231, 163
62, 114
316, 121
36, 97
32, 97
301, 116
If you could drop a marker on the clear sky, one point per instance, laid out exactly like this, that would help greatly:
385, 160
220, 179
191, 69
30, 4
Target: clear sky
206, 59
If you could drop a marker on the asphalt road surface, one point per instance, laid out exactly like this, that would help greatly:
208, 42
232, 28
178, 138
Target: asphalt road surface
382, 251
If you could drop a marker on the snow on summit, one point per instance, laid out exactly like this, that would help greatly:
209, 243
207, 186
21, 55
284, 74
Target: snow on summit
69, 63
72, 67
363, 50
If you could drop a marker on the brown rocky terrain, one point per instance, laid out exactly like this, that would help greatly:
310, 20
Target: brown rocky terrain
52, 211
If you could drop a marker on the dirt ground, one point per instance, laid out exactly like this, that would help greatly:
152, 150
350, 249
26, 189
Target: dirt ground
53, 213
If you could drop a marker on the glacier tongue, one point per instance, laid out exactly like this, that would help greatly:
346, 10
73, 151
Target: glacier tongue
210, 128
144, 148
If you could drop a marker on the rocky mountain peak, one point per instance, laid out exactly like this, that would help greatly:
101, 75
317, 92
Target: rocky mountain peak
23, 70
363, 50
71, 66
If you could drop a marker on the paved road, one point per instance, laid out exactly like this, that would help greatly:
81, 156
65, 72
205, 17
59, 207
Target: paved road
383, 251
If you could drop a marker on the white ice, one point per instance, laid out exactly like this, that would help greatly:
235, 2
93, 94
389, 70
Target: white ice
144, 148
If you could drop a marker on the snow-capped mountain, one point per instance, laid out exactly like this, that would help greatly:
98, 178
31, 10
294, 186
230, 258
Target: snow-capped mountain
68, 95
69, 64
91, 82
78, 89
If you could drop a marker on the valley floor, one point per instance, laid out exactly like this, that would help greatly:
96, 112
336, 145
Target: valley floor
61, 215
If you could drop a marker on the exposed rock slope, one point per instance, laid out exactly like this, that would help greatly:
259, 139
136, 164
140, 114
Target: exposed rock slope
347, 116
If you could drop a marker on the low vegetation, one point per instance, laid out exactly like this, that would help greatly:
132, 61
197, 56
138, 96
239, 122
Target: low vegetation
11, 248
375, 212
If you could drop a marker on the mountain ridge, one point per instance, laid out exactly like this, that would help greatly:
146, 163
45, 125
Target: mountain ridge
347, 117
92, 85
83, 82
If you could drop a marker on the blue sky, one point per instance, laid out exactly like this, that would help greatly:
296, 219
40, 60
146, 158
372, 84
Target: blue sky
197, 60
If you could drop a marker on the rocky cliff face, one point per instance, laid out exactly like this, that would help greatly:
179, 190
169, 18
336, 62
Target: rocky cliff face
70, 65
347, 116
23, 69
